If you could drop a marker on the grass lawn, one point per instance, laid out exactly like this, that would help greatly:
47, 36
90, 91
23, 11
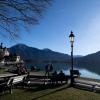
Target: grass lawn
50, 93
2, 71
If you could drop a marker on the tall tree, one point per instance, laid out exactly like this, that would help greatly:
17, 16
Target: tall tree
16, 14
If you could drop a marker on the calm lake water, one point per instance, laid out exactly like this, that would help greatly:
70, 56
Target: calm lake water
66, 69
85, 73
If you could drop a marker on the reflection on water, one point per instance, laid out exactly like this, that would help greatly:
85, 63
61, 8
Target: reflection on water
66, 68
85, 73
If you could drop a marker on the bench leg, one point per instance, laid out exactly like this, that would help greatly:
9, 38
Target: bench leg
93, 89
10, 89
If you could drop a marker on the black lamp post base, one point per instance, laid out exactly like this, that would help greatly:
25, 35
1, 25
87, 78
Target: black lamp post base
72, 82
72, 78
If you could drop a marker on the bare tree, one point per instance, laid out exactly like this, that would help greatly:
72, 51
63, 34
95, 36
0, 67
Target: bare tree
16, 14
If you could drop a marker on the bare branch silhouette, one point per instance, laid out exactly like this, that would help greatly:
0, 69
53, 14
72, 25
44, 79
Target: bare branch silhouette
15, 14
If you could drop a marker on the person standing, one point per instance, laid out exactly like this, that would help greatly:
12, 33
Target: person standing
48, 69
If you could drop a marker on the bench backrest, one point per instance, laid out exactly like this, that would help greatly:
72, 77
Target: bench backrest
16, 80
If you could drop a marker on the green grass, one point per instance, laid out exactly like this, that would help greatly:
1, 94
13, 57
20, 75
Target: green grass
2, 71
48, 93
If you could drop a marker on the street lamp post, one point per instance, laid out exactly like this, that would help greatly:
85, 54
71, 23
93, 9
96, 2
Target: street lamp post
71, 37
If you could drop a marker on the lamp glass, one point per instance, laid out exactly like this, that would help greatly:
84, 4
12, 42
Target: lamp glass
71, 39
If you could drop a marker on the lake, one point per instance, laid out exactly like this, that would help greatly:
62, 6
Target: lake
85, 73
66, 69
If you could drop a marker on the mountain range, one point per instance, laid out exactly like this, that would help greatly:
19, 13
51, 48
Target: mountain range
90, 62
34, 55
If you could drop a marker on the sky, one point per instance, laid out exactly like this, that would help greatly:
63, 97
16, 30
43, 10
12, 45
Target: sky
80, 16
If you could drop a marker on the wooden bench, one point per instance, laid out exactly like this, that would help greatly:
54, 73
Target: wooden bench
43, 80
85, 84
59, 79
97, 87
11, 82
37, 80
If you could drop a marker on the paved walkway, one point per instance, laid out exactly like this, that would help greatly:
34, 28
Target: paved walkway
7, 75
37, 73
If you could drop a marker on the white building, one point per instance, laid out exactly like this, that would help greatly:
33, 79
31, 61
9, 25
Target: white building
6, 52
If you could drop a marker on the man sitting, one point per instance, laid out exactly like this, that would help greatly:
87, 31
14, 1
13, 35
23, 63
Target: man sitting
61, 76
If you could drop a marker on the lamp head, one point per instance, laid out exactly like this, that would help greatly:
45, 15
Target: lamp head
71, 37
